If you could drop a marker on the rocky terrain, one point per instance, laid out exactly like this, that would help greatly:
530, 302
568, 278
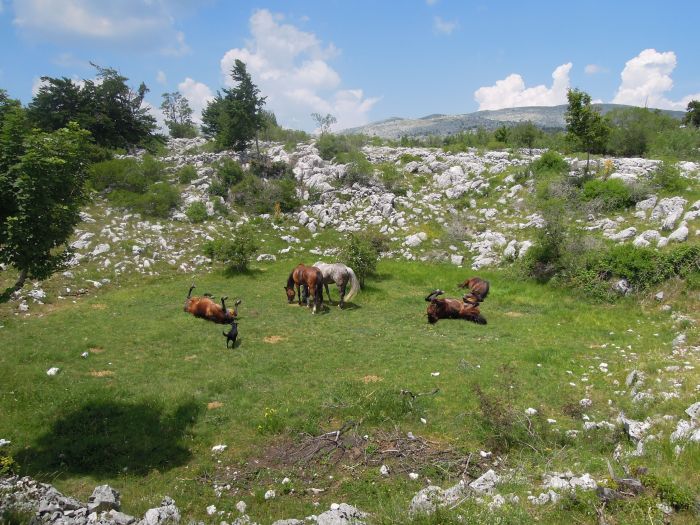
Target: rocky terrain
466, 208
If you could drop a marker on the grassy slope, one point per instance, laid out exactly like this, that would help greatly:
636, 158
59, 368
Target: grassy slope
150, 413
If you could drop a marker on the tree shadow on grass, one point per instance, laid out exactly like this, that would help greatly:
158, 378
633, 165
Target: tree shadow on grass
104, 438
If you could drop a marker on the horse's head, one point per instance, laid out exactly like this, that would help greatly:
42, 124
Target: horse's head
432, 314
290, 293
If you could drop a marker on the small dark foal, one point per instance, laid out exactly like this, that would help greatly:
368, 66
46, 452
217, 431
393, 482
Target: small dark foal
231, 335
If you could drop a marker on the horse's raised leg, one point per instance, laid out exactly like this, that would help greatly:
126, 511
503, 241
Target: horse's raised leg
235, 307
223, 303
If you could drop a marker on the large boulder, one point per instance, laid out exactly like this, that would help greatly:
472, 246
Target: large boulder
668, 211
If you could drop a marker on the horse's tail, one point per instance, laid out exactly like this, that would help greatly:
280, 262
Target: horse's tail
319, 288
354, 285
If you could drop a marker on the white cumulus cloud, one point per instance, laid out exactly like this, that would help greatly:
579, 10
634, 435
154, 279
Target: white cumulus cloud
161, 77
646, 79
197, 94
291, 68
444, 26
144, 23
511, 91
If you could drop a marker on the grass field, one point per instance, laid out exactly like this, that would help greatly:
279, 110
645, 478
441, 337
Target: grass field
159, 389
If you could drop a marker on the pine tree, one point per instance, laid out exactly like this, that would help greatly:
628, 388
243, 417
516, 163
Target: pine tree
236, 117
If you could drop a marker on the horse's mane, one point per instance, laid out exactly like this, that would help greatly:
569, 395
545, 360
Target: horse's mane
290, 280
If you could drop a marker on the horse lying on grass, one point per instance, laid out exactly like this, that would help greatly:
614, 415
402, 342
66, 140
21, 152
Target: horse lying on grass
452, 309
310, 280
205, 308
341, 275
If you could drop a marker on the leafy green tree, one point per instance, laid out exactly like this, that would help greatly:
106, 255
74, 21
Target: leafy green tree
114, 113
235, 118
692, 116
41, 190
324, 122
178, 115
585, 127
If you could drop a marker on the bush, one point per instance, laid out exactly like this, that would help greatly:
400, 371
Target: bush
667, 177
393, 178
197, 212
642, 267
359, 169
329, 145
667, 490
186, 174
135, 185
361, 255
612, 194
229, 172
266, 169
235, 253
550, 161
544, 258
158, 202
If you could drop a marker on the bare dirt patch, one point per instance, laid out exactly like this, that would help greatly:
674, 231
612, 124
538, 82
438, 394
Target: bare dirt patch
514, 314
372, 379
214, 405
97, 350
190, 357
101, 373
98, 306
273, 339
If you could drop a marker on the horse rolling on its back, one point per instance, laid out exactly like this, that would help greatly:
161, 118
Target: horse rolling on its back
308, 278
341, 275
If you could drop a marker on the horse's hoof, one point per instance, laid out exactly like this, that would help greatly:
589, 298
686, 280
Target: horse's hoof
238, 301
224, 298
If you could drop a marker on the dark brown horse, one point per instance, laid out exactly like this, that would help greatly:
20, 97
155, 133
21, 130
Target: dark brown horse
452, 309
308, 279
478, 290
205, 308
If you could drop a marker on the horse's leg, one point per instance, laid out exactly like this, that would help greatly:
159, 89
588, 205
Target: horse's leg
342, 294
328, 292
223, 303
298, 285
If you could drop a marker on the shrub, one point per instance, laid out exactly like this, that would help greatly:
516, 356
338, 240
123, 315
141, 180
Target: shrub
136, 185
613, 194
393, 178
667, 490
408, 157
359, 169
236, 252
157, 202
640, 266
266, 169
550, 161
544, 258
329, 145
186, 174
197, 212
229, 172
361, 255
667, 177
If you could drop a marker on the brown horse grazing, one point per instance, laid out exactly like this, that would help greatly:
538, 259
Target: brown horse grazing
452, 309
310, 280
205, 308
477, 286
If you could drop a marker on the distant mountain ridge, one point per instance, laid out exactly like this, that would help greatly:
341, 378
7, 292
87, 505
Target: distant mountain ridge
545, 117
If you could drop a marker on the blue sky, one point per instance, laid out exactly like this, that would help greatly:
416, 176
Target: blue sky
365, 60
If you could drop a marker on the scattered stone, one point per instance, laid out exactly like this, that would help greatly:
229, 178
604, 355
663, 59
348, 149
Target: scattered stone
270, 494
103, 498
219, 448
485, 483
52, 371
